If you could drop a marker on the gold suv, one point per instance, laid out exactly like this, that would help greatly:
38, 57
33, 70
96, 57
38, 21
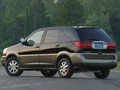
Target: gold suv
63, 49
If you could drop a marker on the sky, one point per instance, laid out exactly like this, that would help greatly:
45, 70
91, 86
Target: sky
55, 1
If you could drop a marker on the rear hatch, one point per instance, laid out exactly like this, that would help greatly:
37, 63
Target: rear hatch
94, 40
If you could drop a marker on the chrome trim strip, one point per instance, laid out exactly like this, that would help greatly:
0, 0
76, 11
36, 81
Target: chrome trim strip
28, 55
37, 54
46, 64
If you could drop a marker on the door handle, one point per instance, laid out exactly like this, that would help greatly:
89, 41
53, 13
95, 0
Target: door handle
57, 45
37, 46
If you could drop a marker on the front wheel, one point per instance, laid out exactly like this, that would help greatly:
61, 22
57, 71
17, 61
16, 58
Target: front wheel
49, 73
102, 74
12, 67
65, 68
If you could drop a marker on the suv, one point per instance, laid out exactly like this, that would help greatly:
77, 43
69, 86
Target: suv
63, 49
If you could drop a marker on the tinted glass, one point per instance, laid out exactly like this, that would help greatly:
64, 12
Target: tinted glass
71, 34
52, 36
36, 37
93, 35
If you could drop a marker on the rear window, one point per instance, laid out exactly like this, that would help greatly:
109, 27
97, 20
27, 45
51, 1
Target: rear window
93, 35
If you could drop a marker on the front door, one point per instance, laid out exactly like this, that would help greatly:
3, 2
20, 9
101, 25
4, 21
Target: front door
29, 54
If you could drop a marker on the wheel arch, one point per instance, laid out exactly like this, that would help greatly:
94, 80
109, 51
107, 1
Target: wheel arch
63, 54
12, 55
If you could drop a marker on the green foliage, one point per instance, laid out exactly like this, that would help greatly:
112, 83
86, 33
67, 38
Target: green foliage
1, 50
69, 12
0, 62
115, 26
51, 10
104, 14
118, 66
97, 14
118, 56
18, 18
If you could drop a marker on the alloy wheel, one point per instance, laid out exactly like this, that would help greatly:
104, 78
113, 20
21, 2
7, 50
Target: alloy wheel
63, 68
13, 66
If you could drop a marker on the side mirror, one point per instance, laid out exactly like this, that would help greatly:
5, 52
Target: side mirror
30, 43
22, 40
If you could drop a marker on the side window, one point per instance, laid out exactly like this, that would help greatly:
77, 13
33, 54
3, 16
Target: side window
52, 36
36, 37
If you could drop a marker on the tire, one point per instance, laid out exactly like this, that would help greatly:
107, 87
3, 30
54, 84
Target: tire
102, 74
12, 67
49, 73
65, 68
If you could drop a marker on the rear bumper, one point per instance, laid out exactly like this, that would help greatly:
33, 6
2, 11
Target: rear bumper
94, 60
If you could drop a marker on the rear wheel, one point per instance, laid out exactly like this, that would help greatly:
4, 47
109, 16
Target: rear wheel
12, 67
49, 73
65, 68
102, 74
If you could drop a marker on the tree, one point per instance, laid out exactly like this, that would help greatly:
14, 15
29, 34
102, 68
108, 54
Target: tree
115, 25
97, 14
35, 17
19, 18
50, 9
104, 14
69, 12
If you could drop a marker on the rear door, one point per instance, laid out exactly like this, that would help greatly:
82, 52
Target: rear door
49, 48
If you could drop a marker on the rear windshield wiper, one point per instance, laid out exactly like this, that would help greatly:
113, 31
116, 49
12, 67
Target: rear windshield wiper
94, 39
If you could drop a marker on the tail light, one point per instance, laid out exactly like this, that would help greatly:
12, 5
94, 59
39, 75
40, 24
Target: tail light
83, 44
88, 44
111, 45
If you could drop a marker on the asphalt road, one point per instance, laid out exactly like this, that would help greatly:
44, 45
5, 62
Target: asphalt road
34, 80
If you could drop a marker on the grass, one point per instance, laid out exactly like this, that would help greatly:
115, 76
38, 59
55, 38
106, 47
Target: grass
0, 61
118, 66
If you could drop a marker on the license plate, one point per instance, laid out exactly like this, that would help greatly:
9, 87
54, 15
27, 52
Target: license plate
99, 45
